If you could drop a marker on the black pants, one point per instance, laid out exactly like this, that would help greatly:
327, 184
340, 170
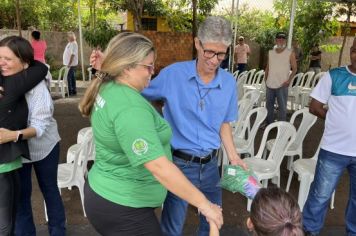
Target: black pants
9, 199
111, 219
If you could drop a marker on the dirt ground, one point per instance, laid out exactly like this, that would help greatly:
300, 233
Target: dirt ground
70, 122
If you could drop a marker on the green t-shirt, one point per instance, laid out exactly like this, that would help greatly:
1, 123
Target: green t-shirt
128, 132
7, 167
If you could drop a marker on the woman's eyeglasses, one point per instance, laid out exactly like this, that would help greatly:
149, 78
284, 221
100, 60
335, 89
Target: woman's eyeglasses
150, 68
210, 53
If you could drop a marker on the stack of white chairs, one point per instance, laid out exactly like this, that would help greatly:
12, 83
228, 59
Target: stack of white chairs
239, 84
73, 173
250, 77
305, 168
303, 85
61, 83
296, 148
265, 169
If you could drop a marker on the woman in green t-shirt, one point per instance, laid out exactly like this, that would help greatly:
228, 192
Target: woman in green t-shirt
133, 167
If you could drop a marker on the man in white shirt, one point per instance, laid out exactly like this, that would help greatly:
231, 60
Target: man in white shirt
337, 89
70, 59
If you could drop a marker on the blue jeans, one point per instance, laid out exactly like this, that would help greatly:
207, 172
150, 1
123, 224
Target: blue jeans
71, 81
282, 95
329, 169
206, 178
46, 173
241, 67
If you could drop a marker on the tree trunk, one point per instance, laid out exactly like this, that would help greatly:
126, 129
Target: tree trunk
137, 11
18, 18
345, 31
194, 26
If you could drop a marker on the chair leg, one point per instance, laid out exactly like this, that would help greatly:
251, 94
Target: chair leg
81, 192
291, 172
249, 202
305, 182
290, 162
332, 200
45, 210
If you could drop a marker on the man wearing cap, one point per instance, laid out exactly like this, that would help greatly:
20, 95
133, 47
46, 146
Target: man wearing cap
242, 52
278, 76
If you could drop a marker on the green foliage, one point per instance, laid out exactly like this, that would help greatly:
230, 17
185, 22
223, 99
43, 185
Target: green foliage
331, 48
100, 36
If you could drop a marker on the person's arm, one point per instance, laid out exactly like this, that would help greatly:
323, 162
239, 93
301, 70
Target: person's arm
14, 135
227, 140
293, 63
266, 70
173, 179
214, 231
317, 108
248, 51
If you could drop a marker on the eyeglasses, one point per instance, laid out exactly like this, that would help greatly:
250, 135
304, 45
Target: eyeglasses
150, 68
210, 53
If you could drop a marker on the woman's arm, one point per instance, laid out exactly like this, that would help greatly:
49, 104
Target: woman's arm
173, 179
15, 135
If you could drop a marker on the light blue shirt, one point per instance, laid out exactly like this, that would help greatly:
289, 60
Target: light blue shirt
196, 128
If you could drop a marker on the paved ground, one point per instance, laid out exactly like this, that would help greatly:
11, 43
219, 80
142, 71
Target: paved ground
234, 205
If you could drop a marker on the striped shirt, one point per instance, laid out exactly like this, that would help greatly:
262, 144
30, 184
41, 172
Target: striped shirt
40, 117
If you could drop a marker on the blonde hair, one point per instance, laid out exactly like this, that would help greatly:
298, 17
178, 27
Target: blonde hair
124, 51
275, 212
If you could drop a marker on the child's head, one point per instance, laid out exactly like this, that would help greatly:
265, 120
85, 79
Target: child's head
274, 212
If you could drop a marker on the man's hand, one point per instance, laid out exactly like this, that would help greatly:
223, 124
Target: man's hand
238, 162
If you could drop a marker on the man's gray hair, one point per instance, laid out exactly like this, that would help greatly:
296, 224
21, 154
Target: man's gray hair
215, 29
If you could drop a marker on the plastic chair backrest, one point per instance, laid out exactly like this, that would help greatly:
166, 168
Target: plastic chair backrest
258, 76
253, 95
252, 128
242, 74
316, 79
81, 155
63, 73
296, 78
307, 77
250, 74
308, 120
236, 74
284, 138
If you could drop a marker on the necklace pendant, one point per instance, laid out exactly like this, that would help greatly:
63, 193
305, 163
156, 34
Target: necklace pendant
201, 104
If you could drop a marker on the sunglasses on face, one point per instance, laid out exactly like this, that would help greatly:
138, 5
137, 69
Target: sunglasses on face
150, 68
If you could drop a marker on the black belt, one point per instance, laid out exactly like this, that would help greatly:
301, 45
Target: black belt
196, 159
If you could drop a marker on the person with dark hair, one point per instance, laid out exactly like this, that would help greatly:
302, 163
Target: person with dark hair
39, 46
315, 59
19, 74
275, 212
334, 100
43, 144
132, 167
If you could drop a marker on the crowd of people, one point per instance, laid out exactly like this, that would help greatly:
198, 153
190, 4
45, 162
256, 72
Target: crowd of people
145, 160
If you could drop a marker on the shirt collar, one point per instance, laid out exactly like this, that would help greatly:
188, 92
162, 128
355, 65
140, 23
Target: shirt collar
215, 83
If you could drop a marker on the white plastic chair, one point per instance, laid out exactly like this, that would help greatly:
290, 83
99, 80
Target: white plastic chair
239, 84
305, 168
308, 88
61, 83
73, 174
256, 81
296, 148
244, 106
293, 90
270, 168
250, 77
245, 140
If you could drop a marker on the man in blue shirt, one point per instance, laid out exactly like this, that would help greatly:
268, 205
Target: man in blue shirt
200, 101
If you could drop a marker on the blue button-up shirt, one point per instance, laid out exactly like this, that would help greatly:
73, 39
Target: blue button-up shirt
196, 127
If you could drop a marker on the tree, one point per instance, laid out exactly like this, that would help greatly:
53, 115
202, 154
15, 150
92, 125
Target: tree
347, 8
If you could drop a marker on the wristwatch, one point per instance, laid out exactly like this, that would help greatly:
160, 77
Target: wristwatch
19, 136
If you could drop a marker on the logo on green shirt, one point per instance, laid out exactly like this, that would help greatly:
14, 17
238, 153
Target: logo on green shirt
139, 146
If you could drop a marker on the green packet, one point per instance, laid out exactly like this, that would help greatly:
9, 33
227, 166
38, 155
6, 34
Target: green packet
236, 179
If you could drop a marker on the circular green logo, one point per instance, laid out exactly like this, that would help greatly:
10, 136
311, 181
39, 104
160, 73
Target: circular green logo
139, 146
